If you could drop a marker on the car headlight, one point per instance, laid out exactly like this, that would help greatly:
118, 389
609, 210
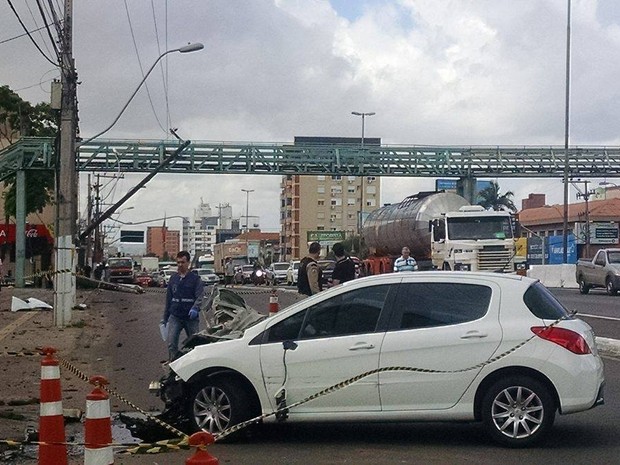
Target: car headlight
462, 267
259, 273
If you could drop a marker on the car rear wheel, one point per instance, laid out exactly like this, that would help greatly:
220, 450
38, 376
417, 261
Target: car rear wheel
611, 289
583, 287
518, 411
218, 404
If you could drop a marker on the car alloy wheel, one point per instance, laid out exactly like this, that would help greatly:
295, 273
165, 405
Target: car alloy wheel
518, 411
218, 404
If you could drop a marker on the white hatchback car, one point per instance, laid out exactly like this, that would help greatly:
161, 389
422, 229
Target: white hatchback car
436, 345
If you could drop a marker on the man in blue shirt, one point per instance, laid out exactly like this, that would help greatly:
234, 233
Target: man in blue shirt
183, 299
405, 262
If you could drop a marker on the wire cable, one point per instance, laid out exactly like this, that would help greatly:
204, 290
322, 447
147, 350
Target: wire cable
37, 24
148, 93
20, 35
49, 31
161, 66
29, 35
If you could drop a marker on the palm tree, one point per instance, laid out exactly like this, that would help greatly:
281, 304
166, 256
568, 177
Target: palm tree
492, 200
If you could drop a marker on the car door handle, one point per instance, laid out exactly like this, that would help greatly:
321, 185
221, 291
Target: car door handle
362, 345
473, 335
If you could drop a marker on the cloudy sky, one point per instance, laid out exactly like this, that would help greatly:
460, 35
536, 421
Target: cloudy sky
445, 72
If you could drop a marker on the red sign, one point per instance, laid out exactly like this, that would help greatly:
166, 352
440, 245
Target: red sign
7, 232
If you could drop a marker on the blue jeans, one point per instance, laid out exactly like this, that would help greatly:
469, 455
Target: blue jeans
175, 326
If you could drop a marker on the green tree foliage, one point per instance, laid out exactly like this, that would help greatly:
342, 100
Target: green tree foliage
492, 200
20, 118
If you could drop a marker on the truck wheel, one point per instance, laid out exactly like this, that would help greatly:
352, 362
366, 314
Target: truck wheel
583, 287
445, 267
611, 289
518, 411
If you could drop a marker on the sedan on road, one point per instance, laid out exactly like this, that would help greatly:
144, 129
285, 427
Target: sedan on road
207, 275
443, 346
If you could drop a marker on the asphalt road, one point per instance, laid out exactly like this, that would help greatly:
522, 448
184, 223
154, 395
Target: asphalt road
134, 351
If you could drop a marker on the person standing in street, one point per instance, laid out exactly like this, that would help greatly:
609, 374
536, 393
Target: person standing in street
405, 262
309, 275
345, 267
183, 299
229, 272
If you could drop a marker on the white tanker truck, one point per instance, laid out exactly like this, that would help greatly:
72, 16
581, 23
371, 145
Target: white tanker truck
443, 231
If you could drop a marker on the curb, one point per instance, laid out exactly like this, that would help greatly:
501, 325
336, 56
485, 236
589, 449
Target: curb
607, 346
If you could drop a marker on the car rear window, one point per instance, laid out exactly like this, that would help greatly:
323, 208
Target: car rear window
543, 304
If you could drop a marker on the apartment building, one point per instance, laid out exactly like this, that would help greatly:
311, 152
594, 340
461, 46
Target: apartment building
310, 205
162, 242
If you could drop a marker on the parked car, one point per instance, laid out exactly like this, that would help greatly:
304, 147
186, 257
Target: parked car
167, 274
247, 271
143, 279
279, 271
207, 275
464, 346
602, 271
327, 268
292, 272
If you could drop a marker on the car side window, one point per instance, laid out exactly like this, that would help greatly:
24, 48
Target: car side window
423, 305
354, 312
600, 258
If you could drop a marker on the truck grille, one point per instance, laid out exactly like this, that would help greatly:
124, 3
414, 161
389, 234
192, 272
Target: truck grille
495, 258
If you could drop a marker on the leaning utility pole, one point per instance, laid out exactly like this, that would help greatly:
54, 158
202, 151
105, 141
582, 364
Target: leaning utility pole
66, 181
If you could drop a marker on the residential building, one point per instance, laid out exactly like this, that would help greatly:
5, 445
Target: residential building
162, 242
323, 203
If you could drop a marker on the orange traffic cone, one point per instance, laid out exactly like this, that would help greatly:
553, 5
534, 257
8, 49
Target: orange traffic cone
274, 306
201, 457
98, 425
51, 422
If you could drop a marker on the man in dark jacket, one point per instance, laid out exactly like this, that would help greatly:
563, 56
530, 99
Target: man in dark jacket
183, 299
345, 268
309, 275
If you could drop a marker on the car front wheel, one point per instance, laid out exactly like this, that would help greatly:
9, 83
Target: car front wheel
218, 404
518, 411
611, 288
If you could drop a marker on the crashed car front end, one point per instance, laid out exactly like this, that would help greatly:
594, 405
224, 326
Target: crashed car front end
227, 316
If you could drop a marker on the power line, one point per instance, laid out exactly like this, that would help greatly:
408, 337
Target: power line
148, 93
49, 32
20, 35
161, 67
37, 24
28, 33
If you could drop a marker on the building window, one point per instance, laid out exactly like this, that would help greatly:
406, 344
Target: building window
336, 178
370, 202
351, 201
336, 190
320, 215
351, 189
320, 178
320, 189
320, 227
336, 202
320, 202
371, 189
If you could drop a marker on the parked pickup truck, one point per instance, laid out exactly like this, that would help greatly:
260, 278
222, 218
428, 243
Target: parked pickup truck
602, 271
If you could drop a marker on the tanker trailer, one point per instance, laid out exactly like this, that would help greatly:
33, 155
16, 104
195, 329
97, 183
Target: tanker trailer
442, 231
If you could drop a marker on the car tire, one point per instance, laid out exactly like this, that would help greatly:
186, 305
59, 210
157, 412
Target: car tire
217, 404
583, 287
609, 285
518, 411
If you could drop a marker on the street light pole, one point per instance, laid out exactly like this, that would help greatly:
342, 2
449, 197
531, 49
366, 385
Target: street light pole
247, 224
566, 132
363, 115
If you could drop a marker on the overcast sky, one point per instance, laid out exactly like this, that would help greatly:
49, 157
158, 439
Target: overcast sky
445, 72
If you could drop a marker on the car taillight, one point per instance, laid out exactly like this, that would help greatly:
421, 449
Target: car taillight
566, 338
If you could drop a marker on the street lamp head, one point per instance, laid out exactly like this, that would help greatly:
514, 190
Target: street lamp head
191, 47
359, 113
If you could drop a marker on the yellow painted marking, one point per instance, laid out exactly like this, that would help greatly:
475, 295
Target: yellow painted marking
8, 329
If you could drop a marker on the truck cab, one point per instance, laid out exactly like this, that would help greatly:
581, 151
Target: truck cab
121, 270
473, 239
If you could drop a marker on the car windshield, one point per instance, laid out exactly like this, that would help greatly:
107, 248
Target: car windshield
121, 263
203, 271
247, 268
481, 227
280, 266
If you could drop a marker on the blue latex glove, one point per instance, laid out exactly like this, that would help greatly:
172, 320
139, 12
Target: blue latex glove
193, 313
